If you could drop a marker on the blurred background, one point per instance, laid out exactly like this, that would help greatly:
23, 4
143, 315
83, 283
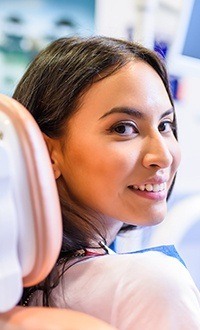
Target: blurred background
171, 28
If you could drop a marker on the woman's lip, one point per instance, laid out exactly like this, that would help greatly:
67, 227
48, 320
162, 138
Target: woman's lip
156, 196
150, 187
153, 182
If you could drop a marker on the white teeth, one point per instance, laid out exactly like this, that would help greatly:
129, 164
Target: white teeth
142, 187
151, 187
148, 187
156, 187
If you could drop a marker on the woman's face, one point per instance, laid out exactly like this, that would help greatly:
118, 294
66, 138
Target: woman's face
120, 154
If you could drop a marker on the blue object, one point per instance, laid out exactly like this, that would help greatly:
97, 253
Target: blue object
169, 250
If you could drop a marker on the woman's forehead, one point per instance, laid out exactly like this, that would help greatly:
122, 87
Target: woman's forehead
136, 83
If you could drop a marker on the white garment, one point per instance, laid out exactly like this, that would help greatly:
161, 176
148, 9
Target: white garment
148, 291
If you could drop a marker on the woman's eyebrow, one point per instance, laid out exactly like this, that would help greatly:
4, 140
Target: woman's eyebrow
133, 112
129, 111
168, 112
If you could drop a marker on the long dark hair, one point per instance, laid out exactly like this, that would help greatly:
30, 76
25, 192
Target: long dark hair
52, 88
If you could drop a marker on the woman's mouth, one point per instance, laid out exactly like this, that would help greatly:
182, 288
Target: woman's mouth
156, 192
150, 187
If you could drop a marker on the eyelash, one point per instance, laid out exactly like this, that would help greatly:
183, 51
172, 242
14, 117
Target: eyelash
135, 130
124, 124
171, 125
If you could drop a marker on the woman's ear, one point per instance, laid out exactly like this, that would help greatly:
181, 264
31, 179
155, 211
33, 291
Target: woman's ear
53, 147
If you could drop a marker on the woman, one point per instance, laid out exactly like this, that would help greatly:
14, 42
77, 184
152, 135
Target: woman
107, 115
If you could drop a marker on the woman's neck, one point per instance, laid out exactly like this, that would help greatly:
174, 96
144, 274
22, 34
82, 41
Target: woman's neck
112, 228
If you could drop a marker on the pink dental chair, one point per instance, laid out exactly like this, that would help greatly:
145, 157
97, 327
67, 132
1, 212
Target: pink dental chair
30, 224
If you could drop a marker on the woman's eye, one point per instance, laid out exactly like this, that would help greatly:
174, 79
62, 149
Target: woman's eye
166, 126
124, 129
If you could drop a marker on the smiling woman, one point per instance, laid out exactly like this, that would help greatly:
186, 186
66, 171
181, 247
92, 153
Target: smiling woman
107, 116
137, 146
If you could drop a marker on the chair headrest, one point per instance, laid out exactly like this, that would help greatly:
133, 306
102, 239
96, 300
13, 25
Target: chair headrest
30, 215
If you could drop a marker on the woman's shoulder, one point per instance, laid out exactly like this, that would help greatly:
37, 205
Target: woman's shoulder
152, 272
146, 264
132, 290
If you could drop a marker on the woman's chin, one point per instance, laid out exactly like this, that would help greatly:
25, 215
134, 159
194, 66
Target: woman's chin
146, 221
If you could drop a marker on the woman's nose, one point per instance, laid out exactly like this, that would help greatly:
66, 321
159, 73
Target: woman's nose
157, 152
